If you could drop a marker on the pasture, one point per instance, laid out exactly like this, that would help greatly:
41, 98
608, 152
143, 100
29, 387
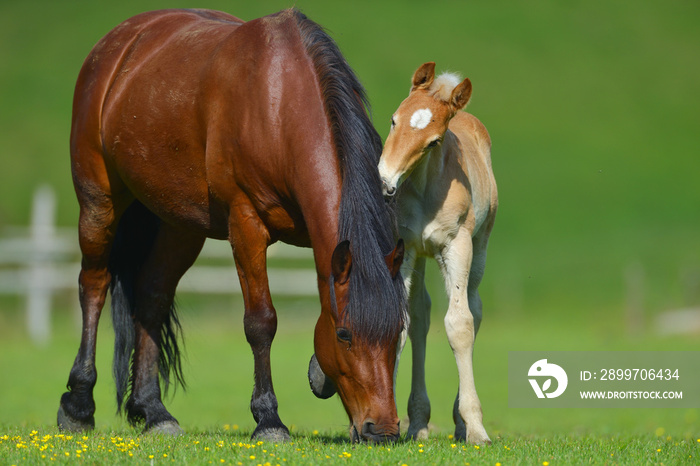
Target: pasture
593, 111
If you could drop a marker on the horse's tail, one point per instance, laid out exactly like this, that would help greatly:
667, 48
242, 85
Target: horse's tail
134, 239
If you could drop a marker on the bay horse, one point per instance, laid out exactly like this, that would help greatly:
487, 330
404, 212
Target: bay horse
190, 124
436, 164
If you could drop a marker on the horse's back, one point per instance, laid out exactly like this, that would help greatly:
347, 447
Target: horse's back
224, 107
107, 58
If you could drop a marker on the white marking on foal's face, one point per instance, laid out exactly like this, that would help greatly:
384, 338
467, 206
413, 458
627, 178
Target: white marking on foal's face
421, 118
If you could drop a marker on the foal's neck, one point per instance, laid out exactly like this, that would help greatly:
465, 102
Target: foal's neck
430, 169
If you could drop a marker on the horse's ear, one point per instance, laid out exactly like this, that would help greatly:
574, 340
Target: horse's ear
395, 258
341, 263
424, 76
461, 95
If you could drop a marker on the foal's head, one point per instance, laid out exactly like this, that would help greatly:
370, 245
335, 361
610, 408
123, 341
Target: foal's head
420, 123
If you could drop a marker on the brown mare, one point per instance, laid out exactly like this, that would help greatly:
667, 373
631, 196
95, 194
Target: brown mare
190, 124
436, 163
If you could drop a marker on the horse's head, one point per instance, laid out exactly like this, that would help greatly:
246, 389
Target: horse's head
420, 123
349, 360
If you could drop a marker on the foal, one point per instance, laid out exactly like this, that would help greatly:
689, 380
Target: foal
437, 164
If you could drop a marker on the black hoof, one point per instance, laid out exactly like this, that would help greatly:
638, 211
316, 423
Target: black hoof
322, 386
70, 424
168, 428
272, 434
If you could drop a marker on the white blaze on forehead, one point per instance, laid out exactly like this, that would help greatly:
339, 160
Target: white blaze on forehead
421, 118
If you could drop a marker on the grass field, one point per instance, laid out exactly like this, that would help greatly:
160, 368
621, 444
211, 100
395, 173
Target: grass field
593, 108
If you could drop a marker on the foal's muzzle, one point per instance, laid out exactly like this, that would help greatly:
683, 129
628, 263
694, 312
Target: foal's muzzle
387, 190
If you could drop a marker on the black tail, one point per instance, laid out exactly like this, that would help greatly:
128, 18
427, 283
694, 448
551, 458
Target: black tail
133, 242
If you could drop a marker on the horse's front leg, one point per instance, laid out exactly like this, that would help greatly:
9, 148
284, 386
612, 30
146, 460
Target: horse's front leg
249, 240
461, 325
419, 310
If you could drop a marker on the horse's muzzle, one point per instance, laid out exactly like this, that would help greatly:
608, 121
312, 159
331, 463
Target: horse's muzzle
370, 432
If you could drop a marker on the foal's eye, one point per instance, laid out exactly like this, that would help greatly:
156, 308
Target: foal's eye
393, 122
433, 143
344, 335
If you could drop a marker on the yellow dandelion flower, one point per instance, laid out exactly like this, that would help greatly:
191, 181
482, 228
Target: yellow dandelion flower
252, 457
420, 450
450, 436
150, 457
454, 445
545, 463
315, 432
660, 431
658, 449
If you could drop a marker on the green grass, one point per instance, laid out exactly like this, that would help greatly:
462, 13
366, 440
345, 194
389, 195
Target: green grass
227, 445
215, 409
593, 112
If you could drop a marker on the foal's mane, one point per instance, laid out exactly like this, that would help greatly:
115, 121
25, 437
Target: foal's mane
377, 303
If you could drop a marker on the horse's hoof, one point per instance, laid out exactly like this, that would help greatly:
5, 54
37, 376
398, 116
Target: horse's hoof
171, 428
273, 435
321, 385
66, 422
480, 438
418, 433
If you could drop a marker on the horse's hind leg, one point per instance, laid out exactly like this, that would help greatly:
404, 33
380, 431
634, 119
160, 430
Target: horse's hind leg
98, 220
155, 325
462, 321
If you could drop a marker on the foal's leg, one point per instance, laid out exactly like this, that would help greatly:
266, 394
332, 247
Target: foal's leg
461, 324
97, 225
249, 240
172, 254
419, 309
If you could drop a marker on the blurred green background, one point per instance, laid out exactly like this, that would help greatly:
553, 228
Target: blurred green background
594, 111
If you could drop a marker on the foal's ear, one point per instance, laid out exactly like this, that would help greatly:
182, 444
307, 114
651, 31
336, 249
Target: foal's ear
395, 258
424, 75
461, 95
341, 263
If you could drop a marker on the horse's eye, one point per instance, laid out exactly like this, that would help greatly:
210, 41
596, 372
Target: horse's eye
393, 122
344, 334
433, 143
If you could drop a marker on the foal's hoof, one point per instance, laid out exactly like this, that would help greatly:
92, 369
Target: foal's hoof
477, 436
272, 434
170, 428
66, 422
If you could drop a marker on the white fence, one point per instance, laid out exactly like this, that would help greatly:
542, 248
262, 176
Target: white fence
41, 260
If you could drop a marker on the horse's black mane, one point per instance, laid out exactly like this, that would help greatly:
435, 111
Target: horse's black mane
377, 303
